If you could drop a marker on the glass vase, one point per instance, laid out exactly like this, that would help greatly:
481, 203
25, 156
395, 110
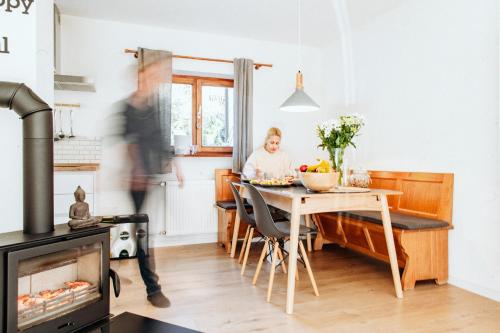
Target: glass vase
341, 159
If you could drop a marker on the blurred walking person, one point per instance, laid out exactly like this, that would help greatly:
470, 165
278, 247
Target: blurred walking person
149, 153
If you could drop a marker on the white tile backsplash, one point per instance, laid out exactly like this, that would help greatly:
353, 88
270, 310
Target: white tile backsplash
78, 150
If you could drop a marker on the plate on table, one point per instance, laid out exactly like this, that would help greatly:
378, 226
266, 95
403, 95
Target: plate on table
280, 185
273, 182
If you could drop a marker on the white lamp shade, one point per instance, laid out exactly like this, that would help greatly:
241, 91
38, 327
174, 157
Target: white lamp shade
299, 101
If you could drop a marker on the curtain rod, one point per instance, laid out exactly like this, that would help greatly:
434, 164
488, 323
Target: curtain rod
257, 65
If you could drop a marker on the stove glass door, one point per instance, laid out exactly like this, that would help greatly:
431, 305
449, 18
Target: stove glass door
57, 283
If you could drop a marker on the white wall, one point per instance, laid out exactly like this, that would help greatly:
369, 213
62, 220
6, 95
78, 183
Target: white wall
29, 61
45, 50
95, 48
427, 76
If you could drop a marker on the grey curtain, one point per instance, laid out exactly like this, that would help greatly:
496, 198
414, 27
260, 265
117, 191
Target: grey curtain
163, 99
243, 112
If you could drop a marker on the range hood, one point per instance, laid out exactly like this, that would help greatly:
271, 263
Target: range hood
73, 82
61, 81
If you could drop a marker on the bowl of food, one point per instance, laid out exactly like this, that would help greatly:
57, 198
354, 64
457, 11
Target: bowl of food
319, 181
318, 177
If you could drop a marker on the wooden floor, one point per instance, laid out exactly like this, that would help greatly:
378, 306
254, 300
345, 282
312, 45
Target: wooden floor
356, 295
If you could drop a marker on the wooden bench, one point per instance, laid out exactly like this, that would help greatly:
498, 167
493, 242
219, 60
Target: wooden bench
226, 208
421, 218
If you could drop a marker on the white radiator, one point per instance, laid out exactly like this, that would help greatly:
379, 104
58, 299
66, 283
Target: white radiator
190, 209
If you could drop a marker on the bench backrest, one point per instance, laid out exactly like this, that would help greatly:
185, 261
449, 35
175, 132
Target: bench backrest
222, 189
425, 194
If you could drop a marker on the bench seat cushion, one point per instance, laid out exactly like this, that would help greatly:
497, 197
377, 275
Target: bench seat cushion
400, 221
230, 205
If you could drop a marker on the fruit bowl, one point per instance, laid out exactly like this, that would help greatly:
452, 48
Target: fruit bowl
317, 181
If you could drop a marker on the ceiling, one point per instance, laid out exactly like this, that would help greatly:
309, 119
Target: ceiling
273, 20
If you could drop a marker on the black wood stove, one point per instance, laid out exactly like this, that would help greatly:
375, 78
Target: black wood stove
51, 279
55, 282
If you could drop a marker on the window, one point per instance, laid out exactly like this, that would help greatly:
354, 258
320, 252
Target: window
202, 108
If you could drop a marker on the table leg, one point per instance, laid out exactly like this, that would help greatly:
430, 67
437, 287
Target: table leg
292, 258
389, 238
308, 237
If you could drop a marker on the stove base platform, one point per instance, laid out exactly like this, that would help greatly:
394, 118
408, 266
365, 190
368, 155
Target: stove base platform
132, 323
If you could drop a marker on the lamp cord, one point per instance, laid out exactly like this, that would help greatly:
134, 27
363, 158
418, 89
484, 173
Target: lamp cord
299, 30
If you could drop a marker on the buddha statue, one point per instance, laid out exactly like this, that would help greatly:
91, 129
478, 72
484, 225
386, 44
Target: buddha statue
79, 212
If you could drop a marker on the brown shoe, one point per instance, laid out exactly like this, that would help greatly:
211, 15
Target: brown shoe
159, 300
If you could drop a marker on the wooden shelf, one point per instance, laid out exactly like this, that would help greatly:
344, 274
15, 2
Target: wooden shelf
76, 166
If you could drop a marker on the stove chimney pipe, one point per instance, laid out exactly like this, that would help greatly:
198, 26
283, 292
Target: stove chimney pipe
38, 155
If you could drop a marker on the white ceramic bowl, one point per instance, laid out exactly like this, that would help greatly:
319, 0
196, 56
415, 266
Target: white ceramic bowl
316, 181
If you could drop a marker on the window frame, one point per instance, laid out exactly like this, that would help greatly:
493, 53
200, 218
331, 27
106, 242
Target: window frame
197, 82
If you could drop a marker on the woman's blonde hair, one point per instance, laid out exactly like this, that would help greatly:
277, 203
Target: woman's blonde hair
273, 131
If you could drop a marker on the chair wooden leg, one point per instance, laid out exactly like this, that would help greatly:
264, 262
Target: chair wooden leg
308, 267
297, 274
242, 251
265, 251
283, 265
247, 250
236, 230
273, 268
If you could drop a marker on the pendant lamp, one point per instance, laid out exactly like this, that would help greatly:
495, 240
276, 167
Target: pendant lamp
299, 101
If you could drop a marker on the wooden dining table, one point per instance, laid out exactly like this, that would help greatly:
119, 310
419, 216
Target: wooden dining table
298, 201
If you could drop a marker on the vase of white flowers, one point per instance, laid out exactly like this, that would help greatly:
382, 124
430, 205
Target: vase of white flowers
338, 134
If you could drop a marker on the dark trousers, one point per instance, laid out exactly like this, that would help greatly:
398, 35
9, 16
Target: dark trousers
146, 261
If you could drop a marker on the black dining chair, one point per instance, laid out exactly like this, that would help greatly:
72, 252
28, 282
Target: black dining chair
276, 234
252, 230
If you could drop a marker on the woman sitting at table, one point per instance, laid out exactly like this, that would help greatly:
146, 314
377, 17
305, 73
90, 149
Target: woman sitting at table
268, 161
